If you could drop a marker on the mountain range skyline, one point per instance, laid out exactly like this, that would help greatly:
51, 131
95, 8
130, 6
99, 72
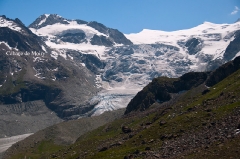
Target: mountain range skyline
129, 17
120, 62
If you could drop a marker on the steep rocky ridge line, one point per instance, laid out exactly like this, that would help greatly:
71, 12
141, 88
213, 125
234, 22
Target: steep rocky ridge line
233, 48
160, 89
223, 71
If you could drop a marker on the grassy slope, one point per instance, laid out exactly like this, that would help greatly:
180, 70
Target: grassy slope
196, 126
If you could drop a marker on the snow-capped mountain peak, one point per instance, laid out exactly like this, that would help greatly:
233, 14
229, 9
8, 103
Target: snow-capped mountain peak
214, 38
48, 19
87, 37
11, 24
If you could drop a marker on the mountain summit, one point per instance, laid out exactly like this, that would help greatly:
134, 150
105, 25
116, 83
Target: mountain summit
47, 19
77, 31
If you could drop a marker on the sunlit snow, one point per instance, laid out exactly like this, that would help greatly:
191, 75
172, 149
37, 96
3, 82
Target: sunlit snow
10, 24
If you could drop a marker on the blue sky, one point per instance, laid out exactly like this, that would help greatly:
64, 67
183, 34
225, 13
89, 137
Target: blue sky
128, 16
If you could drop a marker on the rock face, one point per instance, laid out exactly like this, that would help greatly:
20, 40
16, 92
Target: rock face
223, 71
59, 83
160, 89
75, 38
233, 48
90, 61
118, 37
22, 39
193, 45
31, 92
101, 40
114, 34
48, 19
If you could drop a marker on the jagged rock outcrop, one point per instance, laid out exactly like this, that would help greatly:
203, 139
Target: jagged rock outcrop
160, 89
21, 41
47, 19
193, 45
92, 62
223, 71
101, 40
30, 92
233, 48
115, 35
75, 38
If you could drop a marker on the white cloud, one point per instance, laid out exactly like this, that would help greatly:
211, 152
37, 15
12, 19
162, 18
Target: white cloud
235, 11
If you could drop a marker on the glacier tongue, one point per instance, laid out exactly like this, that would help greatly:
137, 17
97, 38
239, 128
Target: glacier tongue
113, 99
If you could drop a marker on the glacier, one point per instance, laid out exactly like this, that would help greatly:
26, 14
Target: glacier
130, 67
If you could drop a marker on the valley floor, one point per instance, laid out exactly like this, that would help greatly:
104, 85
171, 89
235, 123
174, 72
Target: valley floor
7, 142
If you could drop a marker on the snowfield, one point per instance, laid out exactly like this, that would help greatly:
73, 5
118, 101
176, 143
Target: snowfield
10, 24
216, 37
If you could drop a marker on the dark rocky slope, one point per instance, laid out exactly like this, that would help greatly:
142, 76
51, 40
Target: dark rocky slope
23, 40
223, 71
233, 48
161, 88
